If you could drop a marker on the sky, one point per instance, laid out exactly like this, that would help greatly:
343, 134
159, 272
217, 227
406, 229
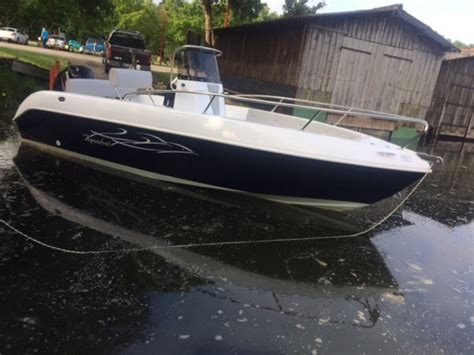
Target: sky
453, 19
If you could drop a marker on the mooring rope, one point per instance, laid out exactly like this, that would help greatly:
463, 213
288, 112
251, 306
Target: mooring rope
212, 244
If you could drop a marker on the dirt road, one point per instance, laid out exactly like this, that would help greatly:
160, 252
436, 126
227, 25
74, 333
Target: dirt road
75, 58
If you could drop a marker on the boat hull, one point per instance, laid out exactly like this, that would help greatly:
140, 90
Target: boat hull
200, 162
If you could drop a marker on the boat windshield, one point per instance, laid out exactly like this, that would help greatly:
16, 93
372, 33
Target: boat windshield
197, 64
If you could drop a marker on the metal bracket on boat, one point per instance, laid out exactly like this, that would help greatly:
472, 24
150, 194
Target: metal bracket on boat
209, 104
431, 158
344, 116
276, 106
311, 120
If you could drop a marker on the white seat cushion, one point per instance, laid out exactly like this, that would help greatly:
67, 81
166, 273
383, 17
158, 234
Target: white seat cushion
125, 80
93, 87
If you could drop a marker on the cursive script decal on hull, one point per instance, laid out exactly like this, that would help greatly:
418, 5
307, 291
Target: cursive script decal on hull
145, 141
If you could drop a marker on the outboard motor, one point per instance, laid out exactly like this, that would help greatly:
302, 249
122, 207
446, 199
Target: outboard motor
197, 70
72, 72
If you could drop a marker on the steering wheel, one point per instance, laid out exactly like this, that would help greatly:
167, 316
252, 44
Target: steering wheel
74, 72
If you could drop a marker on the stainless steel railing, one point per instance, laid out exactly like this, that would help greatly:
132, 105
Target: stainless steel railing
280, 101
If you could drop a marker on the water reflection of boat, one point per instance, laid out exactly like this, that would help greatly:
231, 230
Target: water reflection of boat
143, 216
192, 135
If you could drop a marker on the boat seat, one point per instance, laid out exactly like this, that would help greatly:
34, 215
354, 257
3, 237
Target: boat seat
125, 81
92, 87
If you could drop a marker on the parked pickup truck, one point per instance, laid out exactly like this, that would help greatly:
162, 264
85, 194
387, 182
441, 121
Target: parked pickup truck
126, 49
11, 34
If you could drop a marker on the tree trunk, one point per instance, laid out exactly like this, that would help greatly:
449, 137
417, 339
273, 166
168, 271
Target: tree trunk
164, 26
228, 10
208, 36
10, 20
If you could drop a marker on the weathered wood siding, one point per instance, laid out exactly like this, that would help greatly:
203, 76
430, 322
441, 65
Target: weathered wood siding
378, 64
269, 58
452, 108
374, 62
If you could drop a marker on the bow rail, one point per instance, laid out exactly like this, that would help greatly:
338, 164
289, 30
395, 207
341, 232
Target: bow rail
287, 102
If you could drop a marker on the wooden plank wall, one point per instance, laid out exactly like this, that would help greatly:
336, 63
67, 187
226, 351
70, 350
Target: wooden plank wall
365, 68
452, 108
383, 29
374, 62
269, 54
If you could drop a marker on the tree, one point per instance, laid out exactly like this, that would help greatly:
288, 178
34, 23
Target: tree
208, 33
233, 12
266, 14
300, 8
242, 11
147, 20
72, 17
8, 12
177, 17
462, 45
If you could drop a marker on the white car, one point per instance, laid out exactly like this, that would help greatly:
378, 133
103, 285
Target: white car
56, 42
11, 34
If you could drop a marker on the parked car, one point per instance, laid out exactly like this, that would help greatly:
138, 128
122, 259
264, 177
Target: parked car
126, 49
94, 46
11, 34
74, 46
56, 42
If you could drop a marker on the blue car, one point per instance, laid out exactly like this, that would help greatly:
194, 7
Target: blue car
94, 46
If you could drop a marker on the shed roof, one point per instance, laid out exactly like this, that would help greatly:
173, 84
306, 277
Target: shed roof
466, 53
393, 10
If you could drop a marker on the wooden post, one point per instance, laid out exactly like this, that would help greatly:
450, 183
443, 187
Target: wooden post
468, 128
53, 73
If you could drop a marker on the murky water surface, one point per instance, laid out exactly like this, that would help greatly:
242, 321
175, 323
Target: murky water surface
407, 287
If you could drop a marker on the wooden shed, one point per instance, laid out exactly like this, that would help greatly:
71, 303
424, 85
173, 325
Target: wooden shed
452, 109
382, 59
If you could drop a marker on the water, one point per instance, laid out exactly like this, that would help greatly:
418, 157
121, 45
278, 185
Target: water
407, 287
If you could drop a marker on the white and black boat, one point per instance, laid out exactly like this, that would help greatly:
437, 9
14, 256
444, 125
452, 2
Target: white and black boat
196, 134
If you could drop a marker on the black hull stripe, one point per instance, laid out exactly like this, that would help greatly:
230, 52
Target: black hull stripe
212, 163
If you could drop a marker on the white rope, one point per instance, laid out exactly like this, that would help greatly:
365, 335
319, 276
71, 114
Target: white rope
212, 244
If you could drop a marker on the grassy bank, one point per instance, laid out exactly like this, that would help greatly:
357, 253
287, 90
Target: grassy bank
41, 60
14, 88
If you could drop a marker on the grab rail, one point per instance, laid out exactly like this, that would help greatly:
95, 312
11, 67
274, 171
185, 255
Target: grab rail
344, 111
351, 111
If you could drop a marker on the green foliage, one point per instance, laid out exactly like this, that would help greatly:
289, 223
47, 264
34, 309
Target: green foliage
8, 12
15, 87
77, 19
164, 25
245, 11
462, 45
145, 19
181, 17
300, 8
266, 14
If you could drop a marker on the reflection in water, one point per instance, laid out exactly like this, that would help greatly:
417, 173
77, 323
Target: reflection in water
285, 297
155, 214
448, 195
81, 208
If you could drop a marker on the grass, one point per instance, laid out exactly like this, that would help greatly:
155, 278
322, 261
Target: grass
41, 60
15, 87
163, 78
